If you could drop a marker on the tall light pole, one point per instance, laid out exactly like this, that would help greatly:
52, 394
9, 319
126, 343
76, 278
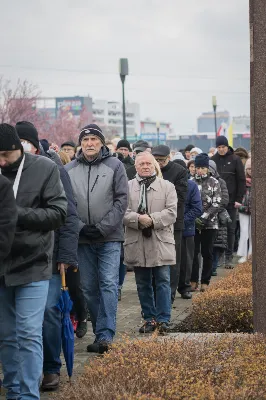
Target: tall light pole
158, 132
214, 105
123, 70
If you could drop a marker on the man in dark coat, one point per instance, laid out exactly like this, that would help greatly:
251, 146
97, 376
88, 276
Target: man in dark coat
123, 148
8, 217
231, 170
25, 273
177, 175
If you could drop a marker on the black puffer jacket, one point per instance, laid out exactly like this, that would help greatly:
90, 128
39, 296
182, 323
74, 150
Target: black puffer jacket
42, 208
231, 170
8, 217
177, 175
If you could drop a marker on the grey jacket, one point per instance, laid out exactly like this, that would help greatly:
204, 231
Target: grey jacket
101, 192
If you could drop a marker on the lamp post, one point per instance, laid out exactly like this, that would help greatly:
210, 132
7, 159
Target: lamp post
123, 70
158, 132
214, 105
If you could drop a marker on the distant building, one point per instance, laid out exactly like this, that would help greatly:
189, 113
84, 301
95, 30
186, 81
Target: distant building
241, 126
206, 123
149, 131
109, 116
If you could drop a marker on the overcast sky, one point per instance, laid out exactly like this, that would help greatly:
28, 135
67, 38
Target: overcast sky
180, 52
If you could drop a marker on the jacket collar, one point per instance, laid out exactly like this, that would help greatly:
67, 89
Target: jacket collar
154, 185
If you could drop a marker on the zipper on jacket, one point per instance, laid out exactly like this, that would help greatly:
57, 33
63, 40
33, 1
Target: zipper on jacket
97, 177
89, 175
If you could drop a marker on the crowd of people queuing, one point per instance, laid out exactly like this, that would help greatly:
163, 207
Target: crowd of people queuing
96, 210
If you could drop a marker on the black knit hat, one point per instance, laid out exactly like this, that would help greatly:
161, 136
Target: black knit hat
27, 131
141, 145
189, 147
161, 150
202, 160
221, 141
123, 143
9, 139
91, 129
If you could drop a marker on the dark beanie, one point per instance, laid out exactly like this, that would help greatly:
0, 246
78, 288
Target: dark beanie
123, 143
189, 147
221, 141
9, 139
202, 160
27, 131
91, 129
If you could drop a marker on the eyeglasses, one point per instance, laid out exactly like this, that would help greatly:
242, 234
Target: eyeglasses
161, 160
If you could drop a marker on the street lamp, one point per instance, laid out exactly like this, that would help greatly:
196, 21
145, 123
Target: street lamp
214, 105
158, 132
123, 70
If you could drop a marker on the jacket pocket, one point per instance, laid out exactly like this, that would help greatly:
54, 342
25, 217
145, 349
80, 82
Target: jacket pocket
166, 246
132, 251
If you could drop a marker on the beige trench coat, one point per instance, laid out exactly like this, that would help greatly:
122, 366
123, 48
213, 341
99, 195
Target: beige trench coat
159, 249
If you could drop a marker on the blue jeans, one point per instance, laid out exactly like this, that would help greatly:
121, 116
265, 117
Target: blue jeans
21, 349
161, 312
99, 270
52, 328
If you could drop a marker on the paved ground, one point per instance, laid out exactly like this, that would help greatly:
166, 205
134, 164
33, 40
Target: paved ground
128, 322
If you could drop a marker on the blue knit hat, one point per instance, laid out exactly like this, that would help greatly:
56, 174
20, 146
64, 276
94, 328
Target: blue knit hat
202, 160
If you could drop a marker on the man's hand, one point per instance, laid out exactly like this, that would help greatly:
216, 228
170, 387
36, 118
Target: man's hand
237, 205
62, 267
145, 220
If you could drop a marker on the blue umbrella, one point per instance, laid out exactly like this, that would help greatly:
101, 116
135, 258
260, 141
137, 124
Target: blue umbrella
65, 306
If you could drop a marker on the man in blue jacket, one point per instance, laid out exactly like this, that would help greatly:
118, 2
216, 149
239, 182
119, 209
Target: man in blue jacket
193, 210
100, 188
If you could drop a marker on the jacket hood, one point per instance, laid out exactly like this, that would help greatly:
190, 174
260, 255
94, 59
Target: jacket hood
104, 153
213, 169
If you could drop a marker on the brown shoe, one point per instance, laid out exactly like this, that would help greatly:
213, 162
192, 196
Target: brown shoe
203, 287
194, 286
50, 382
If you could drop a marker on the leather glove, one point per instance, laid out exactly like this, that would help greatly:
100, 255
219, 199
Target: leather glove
200, 223
90, 232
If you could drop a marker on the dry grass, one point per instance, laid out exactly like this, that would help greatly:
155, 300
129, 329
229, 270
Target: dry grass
226, 306
222, 368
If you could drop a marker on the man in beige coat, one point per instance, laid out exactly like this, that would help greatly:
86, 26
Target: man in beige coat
149, 241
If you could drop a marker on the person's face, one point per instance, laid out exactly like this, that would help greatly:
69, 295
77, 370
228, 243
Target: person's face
248, 171
193, 155
69, 150
162, 161
91, 146
145, 165
201, 171
28, 146
8, 158
187, 155
192, 169
222, 150
124, 151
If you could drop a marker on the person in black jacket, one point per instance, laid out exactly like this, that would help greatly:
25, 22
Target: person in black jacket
123, 148
231, 170
8, 217
25, 273
177, 175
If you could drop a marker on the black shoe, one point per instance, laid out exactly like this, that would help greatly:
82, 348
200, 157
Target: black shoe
81, 329
50, 382
163, 327
148, 327
214, 273
186, 295
98, 347
119, 294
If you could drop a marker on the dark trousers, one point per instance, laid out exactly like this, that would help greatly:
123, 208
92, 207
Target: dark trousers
76, 294
175, 269
231, 228
187, 254
204, 242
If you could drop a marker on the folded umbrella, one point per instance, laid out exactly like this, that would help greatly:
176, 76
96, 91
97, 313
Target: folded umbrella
65, 306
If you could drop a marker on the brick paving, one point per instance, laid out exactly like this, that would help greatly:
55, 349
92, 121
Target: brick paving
128, 322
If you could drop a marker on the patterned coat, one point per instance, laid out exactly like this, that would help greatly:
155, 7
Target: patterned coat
211, 197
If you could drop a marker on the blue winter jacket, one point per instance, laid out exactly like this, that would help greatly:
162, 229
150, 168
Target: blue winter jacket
193, 209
